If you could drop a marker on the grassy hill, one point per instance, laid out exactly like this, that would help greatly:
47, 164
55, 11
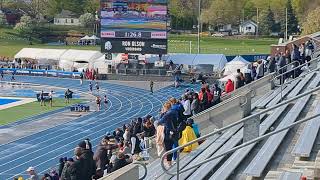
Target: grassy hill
11, 43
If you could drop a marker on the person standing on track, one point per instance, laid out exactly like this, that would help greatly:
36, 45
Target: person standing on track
81, 79
98, 101
151, 86
42, 102
97, 87
90, 87
12, 77
1, 75
105, 101
50, 97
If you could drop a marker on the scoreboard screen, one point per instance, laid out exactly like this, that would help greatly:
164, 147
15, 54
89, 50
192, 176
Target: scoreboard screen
146, 19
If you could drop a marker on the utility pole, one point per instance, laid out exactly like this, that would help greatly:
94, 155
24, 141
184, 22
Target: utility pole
286, 33
257, 22
199, 22
242, 15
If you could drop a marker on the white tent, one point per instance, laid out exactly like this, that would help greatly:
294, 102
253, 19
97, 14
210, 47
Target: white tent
85, 38
232, 66
43, 56
217, 61
231, 76
93, 37
78, 59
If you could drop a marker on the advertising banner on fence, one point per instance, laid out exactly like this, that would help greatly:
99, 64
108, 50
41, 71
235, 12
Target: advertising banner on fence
134, 26
35, 72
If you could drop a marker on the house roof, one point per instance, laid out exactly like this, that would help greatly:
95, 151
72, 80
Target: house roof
248, 22
66, 14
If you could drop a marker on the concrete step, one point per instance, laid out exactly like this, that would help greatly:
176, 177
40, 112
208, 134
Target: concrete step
273, 175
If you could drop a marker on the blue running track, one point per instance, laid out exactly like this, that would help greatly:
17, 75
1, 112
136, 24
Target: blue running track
43, 150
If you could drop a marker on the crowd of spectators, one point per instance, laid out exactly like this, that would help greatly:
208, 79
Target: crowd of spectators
131, 142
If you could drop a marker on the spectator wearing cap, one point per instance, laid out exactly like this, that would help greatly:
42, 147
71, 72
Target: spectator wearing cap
103, 153
33, 175
72, 169
61, 165
87, 162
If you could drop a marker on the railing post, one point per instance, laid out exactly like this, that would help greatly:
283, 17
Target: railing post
178, 164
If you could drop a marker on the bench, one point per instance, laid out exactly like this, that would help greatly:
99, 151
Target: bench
287, 90
301, 85
263, 103
216, 146
257, 102
290, 175
308, 136
260, 161
189, 157
235, 159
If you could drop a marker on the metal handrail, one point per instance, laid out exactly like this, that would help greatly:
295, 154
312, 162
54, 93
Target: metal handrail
177, 149
144, 167
287, 65
300, 66
302, 76
255, 140
294, 70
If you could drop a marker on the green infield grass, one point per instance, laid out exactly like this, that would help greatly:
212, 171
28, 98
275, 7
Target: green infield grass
17, 113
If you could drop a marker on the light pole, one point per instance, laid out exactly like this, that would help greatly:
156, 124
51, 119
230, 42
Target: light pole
199, 22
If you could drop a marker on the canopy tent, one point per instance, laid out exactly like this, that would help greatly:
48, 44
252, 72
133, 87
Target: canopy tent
93, 37
218, 61
78, 57
86, 38
43, 56
232, 66
231, 76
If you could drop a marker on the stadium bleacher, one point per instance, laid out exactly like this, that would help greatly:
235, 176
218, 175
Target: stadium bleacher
226, 167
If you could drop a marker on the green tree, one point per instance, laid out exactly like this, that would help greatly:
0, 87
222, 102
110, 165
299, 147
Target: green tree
25, 26
221, 12
312, 23
267, 22
87, 20
75, 6
3, 20
91, 6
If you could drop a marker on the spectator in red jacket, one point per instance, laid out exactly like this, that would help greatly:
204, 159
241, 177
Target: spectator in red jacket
229, 86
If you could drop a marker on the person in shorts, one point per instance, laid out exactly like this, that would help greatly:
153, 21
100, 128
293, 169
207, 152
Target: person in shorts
50, 97
98, 101
151, 86
105, 101
90, 87
81, 78
97, 86
42, 102
1, 75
